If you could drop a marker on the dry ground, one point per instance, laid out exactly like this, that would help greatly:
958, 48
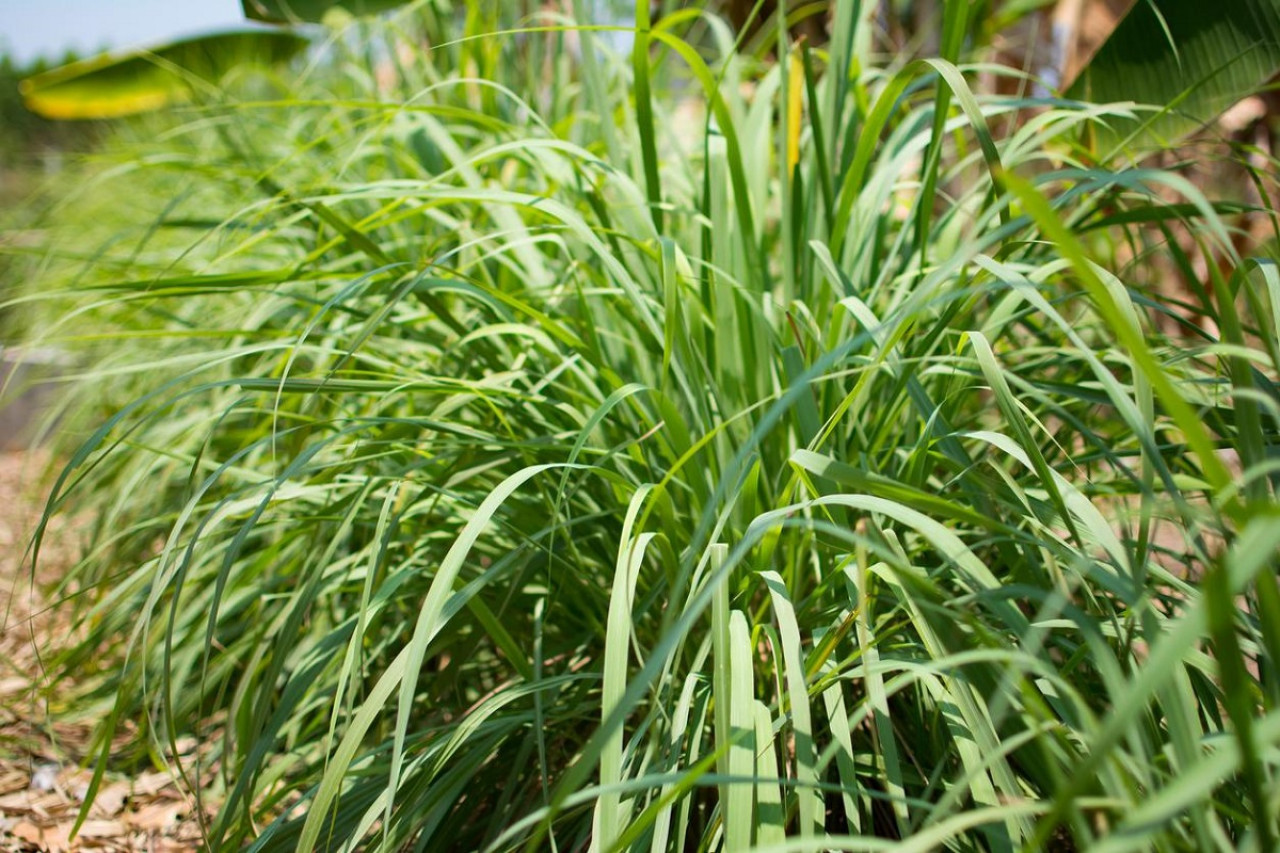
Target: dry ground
43, 769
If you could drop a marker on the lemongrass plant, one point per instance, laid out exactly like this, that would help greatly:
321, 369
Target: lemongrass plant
512, 444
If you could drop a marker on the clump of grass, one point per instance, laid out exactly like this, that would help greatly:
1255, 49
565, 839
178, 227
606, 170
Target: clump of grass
510, 466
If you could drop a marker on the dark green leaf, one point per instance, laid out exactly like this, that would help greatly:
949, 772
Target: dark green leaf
1195, 58
310, 11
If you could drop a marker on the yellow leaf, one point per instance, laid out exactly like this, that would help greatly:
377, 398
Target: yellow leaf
795, 108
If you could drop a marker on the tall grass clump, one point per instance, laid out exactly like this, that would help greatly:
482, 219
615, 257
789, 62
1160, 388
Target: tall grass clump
498, 442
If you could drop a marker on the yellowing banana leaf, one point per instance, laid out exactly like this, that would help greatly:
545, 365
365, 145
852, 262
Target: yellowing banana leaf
1195, 57
119, 84
311, 11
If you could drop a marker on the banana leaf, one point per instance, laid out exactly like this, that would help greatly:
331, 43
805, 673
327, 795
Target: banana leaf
134, 81
1195, 58
311, 11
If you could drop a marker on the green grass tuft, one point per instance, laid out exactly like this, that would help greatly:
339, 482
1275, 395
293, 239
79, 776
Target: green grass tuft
492, 449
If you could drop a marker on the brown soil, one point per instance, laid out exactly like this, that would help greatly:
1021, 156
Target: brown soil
44, 768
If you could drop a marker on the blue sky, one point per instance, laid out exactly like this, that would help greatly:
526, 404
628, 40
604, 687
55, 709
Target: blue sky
31, 28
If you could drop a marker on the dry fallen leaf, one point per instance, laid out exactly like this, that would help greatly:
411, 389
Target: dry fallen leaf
54, 839
111, 799
103, 829
150, 784
186, 745
26, 830
30, 802
156, 816
12, 779
14, 685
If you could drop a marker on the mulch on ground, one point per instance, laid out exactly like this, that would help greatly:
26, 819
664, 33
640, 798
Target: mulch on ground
44, 765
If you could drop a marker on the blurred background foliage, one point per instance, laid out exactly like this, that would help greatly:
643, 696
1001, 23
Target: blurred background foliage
31, 144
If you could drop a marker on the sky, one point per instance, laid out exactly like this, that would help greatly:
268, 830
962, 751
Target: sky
32, 28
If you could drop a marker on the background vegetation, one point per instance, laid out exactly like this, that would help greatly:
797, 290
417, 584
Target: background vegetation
499, 441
